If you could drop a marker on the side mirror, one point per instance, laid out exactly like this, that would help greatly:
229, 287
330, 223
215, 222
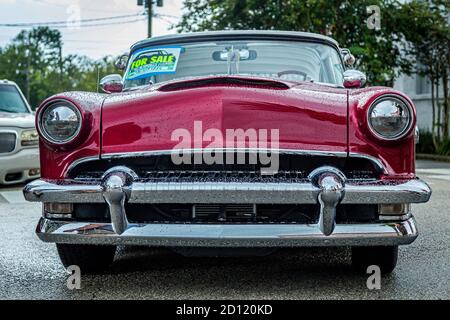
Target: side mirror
121, 62
112, 83
354, 79
349, 59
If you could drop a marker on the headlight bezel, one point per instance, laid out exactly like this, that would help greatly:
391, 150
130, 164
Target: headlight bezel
407, 129
43, 132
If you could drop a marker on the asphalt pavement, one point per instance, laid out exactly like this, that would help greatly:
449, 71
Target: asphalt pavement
30, 269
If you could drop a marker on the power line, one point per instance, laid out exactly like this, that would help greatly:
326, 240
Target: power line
167, 16
57, 23
89, 24
50, 4
45, 3
100, 24
93, 41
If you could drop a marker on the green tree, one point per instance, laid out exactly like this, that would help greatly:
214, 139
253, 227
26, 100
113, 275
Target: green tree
426, 30
35, 62
29, 59
346, 21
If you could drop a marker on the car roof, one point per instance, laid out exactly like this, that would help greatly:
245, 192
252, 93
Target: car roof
5, 81
235, 35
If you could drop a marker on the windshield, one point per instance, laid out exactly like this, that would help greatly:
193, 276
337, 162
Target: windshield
288, 60
11, 100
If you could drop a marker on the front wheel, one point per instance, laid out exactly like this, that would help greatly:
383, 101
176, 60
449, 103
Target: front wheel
383, 257
89, 258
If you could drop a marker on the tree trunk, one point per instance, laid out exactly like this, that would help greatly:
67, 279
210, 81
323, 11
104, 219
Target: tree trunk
446, 114
439, 112
433, 112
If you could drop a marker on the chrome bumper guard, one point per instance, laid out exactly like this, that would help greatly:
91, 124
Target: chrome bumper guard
326, 186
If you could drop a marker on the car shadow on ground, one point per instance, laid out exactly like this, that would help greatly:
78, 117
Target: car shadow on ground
154, 272
135, 259
12, 187
282, 265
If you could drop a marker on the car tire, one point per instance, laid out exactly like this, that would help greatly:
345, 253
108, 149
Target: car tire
384, 257
89, 258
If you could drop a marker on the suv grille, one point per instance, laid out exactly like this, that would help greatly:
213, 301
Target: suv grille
7, 142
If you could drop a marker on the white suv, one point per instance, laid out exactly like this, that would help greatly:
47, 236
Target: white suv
19, 153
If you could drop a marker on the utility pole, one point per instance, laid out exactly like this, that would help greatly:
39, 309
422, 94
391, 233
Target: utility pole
149, 5
150, 13
28, 53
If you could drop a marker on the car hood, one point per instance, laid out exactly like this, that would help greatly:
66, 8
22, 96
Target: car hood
21, 120
307, 116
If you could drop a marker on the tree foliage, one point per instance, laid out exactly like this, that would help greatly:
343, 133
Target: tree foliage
426, 30
345, 21
34, 60
413, 37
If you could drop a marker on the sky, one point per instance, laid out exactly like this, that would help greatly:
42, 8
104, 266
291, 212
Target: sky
94, 42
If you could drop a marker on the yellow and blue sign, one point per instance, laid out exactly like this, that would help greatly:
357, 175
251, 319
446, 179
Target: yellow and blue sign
152, 61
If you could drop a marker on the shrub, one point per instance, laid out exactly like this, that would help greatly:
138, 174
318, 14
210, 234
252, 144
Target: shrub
425, 143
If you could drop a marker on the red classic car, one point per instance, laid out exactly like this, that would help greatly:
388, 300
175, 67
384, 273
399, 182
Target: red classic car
224, 142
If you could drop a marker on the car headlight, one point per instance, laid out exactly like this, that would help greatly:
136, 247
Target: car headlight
60, 122
29, 138
390, 118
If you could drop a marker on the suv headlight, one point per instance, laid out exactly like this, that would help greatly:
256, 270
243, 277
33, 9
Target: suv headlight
29, 138
390, 118
60, 122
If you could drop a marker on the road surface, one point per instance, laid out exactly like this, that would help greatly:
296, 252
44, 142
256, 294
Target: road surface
30, 269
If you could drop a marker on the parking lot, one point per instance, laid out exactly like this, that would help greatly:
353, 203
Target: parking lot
30, 269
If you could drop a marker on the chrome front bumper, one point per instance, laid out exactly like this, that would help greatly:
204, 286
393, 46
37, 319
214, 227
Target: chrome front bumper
228, 235
326, 186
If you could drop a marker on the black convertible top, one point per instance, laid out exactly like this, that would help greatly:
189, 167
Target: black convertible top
235, 35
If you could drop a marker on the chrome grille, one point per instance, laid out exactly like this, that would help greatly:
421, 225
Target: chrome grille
7, 142
292, 168
223, 212
224, 176
208, 213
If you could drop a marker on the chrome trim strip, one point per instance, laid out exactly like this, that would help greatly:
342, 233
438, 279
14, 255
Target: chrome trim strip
69, 192
377, 162
411, 191
395, 218
108, 156
236, 150
208, 192
228, 235
341, 154
80, 161
376, 192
